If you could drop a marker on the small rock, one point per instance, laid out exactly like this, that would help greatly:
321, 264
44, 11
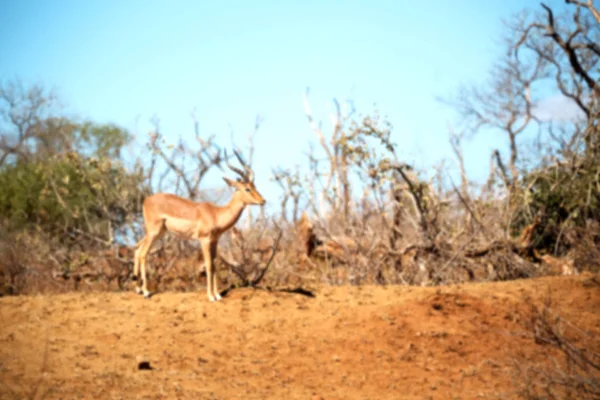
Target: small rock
144, 365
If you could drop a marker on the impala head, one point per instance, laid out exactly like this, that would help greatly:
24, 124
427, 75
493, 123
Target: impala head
244, 185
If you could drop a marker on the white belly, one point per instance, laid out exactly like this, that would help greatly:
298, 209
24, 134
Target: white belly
181, 227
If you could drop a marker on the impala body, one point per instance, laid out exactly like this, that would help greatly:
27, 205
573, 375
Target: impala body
204, 221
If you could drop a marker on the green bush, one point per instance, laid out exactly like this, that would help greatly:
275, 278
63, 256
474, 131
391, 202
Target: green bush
563, 197
69, 194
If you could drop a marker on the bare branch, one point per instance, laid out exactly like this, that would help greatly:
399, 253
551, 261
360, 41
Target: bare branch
569, 51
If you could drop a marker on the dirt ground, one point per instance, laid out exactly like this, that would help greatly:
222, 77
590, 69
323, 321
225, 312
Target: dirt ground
456, 342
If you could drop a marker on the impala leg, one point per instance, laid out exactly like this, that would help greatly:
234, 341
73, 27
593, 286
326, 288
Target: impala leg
213, 255
144, 259
208, 262
136, 266
144, 249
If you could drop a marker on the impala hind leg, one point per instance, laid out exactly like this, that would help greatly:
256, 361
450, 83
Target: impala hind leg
136, 266
141, 258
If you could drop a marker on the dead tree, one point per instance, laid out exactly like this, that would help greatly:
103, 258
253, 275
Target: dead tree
337, 176
22, 108
505, 105
291, 185
568, 45
185, 165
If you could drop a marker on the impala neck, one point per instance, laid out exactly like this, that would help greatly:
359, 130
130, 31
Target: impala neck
231, 212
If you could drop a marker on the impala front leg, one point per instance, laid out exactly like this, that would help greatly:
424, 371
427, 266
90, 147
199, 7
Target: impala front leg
207, 250
213, 252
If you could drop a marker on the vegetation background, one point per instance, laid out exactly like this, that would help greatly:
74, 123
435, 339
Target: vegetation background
355, 209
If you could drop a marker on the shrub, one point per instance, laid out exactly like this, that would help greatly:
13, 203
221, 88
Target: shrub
563, 197
69, 194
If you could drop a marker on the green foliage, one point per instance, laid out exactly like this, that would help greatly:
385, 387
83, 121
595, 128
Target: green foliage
102, 140
563, 197
69, 194
55, 135
368, 145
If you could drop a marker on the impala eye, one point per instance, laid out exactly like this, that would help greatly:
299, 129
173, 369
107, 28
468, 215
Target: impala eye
248, 190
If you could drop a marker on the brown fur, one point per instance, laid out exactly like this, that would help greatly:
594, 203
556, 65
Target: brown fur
206, 222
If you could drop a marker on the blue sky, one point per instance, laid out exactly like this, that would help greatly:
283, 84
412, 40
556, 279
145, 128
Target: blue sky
124, 61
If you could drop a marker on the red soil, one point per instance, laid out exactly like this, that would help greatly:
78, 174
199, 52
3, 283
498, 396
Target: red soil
457, 342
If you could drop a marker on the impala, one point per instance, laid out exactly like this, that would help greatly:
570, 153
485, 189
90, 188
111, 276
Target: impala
206, 222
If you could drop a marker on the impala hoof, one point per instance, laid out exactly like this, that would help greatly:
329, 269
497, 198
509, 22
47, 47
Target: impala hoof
138, 290
147, 294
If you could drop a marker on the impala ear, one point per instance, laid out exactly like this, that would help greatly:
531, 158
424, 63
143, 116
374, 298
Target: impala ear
230, 182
